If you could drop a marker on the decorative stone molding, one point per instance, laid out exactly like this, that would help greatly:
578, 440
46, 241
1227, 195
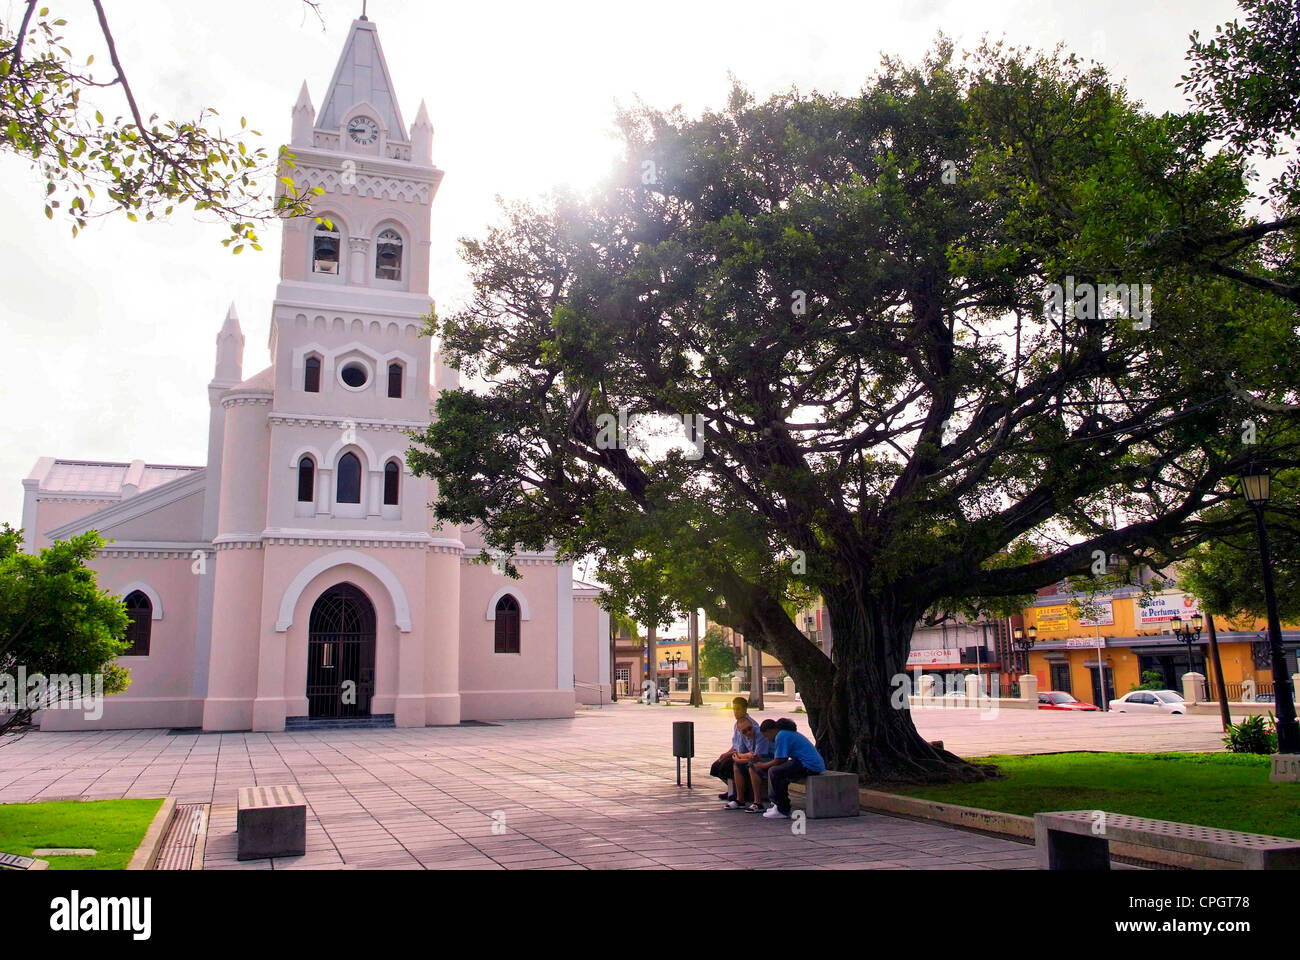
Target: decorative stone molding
400, 189
337, 423
401, 609
142, 553
253, 399
327, 541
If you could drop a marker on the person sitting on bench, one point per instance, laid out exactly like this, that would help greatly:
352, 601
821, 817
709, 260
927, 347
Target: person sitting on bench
724, 767
754, 747
794, 758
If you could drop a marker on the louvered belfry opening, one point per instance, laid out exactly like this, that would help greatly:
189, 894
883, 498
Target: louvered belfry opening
341, 648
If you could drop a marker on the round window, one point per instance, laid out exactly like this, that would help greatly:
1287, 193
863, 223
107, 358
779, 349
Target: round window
354, 375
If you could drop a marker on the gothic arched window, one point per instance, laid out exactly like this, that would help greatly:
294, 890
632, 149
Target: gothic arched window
325, 249
311, 375
349, 485
395, 372
388, 255
140, 610
392, 481
306, 480
507, 625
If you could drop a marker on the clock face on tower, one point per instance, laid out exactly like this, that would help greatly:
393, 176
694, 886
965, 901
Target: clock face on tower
363, 130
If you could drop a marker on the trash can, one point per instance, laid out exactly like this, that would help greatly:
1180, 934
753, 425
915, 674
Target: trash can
684, 747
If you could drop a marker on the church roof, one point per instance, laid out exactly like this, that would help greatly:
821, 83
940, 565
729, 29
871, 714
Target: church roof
361, 76
96, 476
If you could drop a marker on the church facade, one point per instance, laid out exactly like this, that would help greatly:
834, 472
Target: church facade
300, 573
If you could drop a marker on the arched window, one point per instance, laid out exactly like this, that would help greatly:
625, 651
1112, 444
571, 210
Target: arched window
392, 481
388, 255
507, 625
306, 480
395, 372
325, 249
311, 375
349, 485
140, 611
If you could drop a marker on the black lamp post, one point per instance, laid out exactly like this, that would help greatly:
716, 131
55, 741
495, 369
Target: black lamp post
672, 660
1189, 633
1255, 487
1023, 640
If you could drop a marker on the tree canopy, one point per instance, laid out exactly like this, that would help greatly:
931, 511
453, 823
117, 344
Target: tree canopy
945, 341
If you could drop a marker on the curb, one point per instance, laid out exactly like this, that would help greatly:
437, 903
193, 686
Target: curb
1012, 826
147, 852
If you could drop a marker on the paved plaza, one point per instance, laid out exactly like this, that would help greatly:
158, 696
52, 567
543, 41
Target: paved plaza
597, 791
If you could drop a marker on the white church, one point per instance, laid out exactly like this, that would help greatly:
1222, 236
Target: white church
299, 576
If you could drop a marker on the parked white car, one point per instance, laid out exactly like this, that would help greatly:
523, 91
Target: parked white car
1149, 701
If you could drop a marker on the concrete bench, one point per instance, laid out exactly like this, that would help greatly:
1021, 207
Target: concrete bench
271, 822
831, 794
1080, 840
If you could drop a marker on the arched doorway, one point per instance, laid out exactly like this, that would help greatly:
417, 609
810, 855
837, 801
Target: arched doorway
341, 654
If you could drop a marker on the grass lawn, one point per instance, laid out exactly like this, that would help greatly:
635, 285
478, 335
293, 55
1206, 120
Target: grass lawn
112, 827
1226, 790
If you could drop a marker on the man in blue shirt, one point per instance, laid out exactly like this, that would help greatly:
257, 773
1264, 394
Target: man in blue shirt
793, 758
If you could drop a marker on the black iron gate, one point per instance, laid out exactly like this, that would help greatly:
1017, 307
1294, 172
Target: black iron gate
341, 654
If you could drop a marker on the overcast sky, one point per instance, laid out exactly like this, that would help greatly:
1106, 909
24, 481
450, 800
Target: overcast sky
109, 337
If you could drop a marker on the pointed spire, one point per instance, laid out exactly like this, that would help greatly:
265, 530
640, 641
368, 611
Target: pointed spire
230, 349
422, 137
361, 77
304, 118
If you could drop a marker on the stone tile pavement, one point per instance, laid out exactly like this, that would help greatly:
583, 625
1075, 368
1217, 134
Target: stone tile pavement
594, 792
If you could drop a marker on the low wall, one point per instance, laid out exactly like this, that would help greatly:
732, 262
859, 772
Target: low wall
1016, 827
1236, 710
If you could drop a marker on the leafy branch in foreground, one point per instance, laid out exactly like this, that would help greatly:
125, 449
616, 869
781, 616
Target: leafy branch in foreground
142, 167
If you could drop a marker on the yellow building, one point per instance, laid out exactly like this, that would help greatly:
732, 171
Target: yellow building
1126, 637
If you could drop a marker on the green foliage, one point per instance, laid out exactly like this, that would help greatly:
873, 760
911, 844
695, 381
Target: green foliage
1226, 575
866, 343
717, 658
1151, 680
112, 828
1254, 734
53, 617
1229, 791
143, 168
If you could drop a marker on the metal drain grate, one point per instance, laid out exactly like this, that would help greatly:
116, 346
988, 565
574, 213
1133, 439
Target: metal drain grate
189, 828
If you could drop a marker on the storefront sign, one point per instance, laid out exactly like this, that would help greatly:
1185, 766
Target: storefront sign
1105, 614
930, 658
1163, 607
1051, 619
1090, 642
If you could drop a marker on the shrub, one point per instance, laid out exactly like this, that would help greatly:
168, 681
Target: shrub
1255, 734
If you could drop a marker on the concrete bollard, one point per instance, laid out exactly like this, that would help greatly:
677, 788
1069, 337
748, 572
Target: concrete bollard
925, 687
713, 684
1194, 687
788, 684
1029, 687
735, 684
972, 691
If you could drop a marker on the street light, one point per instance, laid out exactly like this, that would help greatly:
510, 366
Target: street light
1255, 488
1189, 633
1022, 640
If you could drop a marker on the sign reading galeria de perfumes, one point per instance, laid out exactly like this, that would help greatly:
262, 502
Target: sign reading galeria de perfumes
1164, 606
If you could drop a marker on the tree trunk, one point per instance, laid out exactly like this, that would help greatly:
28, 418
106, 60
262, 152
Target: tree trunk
863, 721
1225, 718
651, 667
756, 677
697, 697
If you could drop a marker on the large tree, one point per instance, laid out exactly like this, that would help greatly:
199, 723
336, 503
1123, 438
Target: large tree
54, 619
850, 292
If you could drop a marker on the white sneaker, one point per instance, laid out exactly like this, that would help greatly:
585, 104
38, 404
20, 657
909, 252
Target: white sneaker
733, 805
775, 814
